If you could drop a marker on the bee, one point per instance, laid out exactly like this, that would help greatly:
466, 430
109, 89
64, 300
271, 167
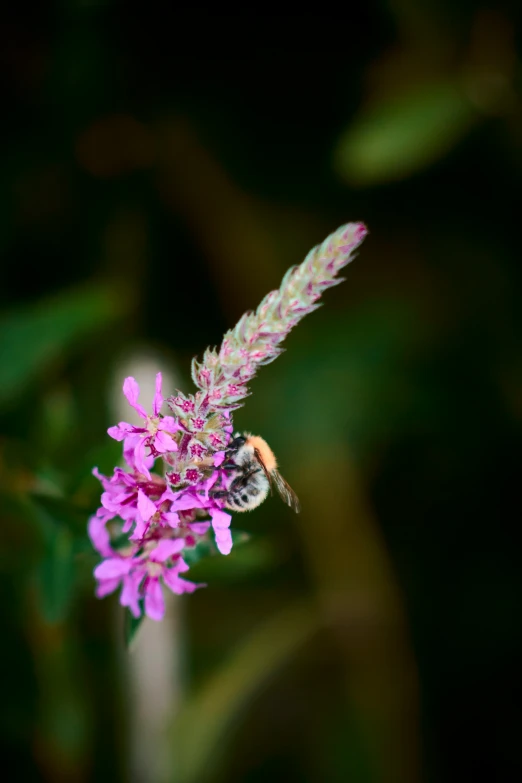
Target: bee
253, 467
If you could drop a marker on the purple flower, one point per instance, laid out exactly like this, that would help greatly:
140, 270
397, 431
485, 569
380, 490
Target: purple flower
140, 574
127, 496
152, 513
156, 434
99, 535
198, 497
120, 496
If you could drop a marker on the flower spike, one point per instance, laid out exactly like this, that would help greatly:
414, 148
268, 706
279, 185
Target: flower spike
149, 522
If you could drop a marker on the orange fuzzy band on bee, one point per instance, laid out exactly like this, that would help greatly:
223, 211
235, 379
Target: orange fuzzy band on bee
265, 452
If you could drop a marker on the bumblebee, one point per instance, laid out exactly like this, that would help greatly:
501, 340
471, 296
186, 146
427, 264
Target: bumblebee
253, 468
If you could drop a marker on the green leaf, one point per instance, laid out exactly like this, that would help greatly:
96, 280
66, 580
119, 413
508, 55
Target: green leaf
57, 576
63, 513
57, 419
62, 529
403, 134
132, 625
32, 337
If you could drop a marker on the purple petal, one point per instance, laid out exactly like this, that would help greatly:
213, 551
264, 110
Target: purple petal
158, 397
154, 604
113, 567
163, 442
177, 585
166, 548
103, 479
122, 475
168, 424
219, 457
181, 566
224, 541
132, 391
220, 519
171, 579
127, 525
145, 506
113, 502
129, 513
139, 458
188, 587
200, 528
140, 529
167, 495
221, 524
99, 536
130, 593
120, 431
129, 446
185, 501
106, 586
171, 518
104, 514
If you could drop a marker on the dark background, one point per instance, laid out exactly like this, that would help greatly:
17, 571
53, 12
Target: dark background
160, 171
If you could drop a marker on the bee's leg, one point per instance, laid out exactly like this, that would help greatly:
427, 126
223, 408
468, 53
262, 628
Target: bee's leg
242, 480
218, 493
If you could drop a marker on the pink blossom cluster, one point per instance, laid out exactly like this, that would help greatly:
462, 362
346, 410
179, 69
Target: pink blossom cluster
147, 521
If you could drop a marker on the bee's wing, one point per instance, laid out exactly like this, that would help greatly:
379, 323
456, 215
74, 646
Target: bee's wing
257, 455
276, 480
285, 490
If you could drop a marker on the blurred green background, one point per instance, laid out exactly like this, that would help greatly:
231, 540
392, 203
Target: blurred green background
161, 170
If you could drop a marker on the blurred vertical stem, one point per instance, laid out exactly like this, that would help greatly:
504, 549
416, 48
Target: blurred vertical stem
196, 741
155, 688
362, 605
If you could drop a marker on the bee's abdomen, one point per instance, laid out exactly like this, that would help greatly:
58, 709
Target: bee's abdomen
245, 501
245, 495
